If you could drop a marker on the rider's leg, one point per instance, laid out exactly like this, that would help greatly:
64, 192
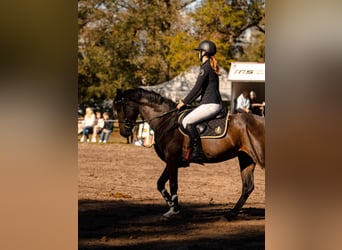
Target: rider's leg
196, 153
201, 113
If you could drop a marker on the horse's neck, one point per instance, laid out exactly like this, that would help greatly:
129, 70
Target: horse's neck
149, 112
152, 115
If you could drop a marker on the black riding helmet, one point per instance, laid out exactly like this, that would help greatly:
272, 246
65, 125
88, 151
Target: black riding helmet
208, 46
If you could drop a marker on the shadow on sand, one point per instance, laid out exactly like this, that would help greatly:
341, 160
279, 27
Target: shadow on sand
132, 225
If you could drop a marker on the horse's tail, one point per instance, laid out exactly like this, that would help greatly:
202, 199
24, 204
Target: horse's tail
255, 141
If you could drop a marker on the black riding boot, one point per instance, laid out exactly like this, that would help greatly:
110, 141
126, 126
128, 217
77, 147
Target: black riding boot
196, 153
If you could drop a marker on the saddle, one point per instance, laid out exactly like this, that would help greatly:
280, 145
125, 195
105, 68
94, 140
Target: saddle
214, 128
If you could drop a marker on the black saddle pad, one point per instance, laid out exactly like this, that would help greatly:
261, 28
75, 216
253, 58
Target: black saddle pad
214, 128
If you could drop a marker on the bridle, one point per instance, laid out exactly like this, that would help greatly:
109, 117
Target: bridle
129, 124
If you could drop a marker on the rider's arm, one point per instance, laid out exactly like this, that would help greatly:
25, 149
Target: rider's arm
196, 90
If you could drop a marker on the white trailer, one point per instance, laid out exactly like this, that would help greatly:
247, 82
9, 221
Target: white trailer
246, 76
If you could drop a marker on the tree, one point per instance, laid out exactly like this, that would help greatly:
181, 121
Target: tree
129, 43
124, 44
225, 21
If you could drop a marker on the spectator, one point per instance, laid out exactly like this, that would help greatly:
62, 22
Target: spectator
107, 128
256, 106
243, 103
89, 121
80, 124
80, 121
99, 123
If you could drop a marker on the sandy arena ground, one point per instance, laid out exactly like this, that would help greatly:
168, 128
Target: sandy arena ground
120, 207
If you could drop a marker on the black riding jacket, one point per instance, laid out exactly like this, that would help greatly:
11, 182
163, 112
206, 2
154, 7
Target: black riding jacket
207, 86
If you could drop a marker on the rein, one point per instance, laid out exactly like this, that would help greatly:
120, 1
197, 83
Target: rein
129, 124
149, 120
162, 115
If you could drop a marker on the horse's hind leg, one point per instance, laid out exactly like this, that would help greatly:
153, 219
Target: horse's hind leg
247, 169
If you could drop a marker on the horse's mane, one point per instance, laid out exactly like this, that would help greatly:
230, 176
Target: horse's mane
151, 96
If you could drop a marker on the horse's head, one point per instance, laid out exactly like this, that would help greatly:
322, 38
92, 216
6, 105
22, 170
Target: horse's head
127, 112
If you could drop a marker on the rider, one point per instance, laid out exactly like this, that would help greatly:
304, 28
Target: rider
206, 86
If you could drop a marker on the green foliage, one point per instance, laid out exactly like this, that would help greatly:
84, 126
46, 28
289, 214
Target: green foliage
224, 24
128, 43
181, 55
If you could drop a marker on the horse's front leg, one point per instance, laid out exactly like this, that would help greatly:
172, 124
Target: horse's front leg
161, 185
170, 173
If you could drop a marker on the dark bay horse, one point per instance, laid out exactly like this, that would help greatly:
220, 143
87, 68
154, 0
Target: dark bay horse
245, 139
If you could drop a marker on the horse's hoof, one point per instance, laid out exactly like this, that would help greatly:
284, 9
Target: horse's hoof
172, 212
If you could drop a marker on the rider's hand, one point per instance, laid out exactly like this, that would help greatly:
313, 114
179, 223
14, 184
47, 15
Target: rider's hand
179, 105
